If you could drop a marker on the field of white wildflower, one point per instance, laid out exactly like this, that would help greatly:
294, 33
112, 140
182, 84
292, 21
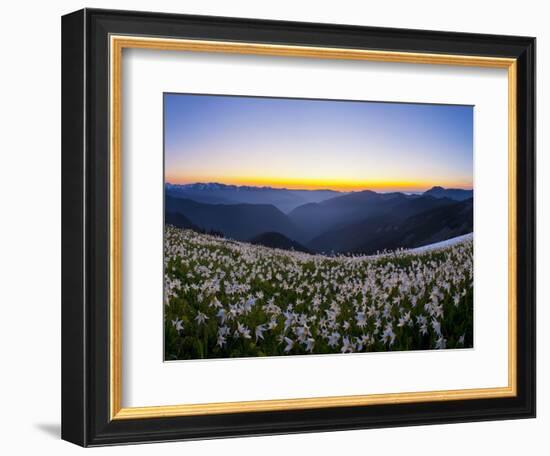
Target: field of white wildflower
232, 299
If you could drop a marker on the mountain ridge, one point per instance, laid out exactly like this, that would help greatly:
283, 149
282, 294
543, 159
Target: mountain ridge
458, 194
355, 222
215, 193
277, 240
237, 221
218, 186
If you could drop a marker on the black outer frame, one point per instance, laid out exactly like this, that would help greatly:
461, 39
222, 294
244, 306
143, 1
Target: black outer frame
85, 227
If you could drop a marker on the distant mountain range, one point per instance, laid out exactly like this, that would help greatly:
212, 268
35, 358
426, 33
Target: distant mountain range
283, 199
327, 222
457, 194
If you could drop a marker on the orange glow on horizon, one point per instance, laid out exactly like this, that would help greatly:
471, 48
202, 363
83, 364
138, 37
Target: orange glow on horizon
382, 185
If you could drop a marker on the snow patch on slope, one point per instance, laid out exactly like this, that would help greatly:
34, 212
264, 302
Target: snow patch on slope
443, 244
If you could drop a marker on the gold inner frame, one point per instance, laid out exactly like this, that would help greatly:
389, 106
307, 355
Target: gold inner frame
117, 44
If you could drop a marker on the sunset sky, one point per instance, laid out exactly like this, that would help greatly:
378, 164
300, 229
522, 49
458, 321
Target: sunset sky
307, 144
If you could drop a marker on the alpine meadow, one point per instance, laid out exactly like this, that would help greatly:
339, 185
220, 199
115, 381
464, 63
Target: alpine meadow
305, 226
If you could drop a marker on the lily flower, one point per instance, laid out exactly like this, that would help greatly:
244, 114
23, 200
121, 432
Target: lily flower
201, 318
289, 344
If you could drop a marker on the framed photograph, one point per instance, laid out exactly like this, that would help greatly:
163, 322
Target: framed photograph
278, 227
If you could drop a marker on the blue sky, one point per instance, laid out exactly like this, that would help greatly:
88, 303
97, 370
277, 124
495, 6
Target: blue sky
300, 143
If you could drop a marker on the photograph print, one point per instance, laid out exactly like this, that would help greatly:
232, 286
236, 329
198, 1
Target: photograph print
308, 226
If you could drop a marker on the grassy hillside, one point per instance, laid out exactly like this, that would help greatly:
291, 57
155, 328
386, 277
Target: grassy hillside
231, 299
